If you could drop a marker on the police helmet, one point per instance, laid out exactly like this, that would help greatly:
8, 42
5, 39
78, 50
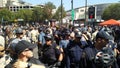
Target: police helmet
40, 29
78, 34
48, 37
47, 32
19, 31
107, 58
66, 32
104, 34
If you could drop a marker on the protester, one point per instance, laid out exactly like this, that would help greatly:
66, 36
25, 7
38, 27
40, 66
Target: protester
24, 52
41, 41
4, 58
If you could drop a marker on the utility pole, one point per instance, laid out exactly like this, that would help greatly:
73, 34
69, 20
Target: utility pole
72, 12
72, 4
61, 11
85, 12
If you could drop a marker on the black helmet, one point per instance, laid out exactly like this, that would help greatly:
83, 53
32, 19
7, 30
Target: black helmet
48, 37
107, 58
40, 29
19, 31
78, 34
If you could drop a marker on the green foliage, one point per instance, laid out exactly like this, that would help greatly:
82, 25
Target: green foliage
57, 15
24, 14
6, 15
50, 5
48, 8
37, 14
40, 14
112, 12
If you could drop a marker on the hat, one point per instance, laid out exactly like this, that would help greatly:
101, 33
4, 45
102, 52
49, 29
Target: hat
40, 29
48, 37
19, 31
22, 45
78, 34
104, 34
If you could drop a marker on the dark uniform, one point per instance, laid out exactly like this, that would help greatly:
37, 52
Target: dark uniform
50, 54
74, 55
100, 56
75, 52
101, 62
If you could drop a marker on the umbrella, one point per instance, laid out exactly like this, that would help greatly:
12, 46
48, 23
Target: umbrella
110, 22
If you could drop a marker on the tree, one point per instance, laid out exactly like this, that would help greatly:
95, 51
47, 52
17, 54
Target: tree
6, 15
57, 15
48, 9
24, 14
112, 12
37, 15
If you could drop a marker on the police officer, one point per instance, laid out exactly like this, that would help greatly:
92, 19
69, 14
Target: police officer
74, 52
52, 53
100, 56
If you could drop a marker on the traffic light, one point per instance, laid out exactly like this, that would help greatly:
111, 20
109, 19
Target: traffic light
91, 12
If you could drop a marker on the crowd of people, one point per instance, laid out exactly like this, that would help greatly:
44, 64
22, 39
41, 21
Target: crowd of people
42, 46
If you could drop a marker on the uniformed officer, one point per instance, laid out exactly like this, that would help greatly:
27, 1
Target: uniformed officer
52, 54
100, 56
74, 52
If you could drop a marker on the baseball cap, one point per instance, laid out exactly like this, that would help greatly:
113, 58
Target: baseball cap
104, 34
22, 45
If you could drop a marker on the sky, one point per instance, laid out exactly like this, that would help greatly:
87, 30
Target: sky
67, 3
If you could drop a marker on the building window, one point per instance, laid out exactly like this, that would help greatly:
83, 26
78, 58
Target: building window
27, 6
17, 7
24, 7
81, 10
20, 6
31, 6
14, 10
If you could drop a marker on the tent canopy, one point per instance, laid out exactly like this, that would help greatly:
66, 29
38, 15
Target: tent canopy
110, 22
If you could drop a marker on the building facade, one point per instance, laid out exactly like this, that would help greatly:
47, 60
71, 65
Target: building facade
17, 8
3, 3
80, 12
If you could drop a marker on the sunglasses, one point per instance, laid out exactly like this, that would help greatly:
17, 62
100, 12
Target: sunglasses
28, 50
2, 50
